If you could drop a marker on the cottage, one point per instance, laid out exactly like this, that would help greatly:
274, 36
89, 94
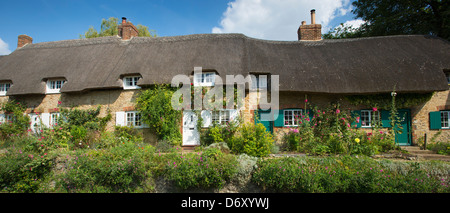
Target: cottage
110, 71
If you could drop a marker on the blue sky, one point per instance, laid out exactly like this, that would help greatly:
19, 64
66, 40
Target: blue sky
54, 20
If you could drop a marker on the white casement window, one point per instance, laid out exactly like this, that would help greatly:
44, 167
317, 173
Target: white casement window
133, 119
204, 79
221, 117
4, 87
292, 117
259, 82
55, 85
54, 118
368, 117
130, 82
445, 119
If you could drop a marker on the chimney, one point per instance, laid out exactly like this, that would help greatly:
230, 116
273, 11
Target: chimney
312, 32
24, 40
127, 30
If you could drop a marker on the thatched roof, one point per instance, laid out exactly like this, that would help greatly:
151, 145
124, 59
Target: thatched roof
350, 66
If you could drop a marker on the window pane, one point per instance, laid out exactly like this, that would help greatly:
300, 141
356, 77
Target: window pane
365, 118
137, 119
130, 118
445, 119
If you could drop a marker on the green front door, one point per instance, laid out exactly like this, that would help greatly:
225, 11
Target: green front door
404, 138
267, 124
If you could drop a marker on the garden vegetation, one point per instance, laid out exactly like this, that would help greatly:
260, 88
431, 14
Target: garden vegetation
78, 155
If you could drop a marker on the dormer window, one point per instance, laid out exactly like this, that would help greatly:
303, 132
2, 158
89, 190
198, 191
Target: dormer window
4, 87
54, 85
204, 79
130, 82
259, 82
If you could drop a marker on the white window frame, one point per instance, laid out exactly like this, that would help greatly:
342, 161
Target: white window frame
130, 82
130, 119
372, 116
445, 119
54, 85
366, 114
4, 87
259, 82
54, 118
290, 114
204, 79
220, 117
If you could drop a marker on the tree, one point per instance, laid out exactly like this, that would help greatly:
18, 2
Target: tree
343, 31
400, 17
109, 28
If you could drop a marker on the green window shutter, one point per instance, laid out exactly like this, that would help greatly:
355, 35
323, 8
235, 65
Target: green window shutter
385, 118
279, 122
435, 120
356, 114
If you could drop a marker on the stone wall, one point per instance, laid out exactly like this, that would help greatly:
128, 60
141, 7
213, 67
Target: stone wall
420, 118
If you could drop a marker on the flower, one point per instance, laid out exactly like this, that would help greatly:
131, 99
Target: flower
59, 102
306, 100
374, 109
357, 140
338, 111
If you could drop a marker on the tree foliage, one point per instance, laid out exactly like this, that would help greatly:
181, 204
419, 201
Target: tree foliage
398, 17
110, 28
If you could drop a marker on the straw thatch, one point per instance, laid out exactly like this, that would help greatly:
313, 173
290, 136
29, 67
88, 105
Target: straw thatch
349, 66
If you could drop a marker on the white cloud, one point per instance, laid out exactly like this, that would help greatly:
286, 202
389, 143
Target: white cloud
275, 19
354, 23
4, 49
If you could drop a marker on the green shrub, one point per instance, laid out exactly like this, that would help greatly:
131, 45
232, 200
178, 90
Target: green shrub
128, 133
18, 123
24, 170
156, 109
196, 171
120, 169
345, 174
252, 139
442, 148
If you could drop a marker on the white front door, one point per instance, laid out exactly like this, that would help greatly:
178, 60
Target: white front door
191, 135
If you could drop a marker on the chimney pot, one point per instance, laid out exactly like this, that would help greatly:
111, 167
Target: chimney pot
127, 30
23, 40
312, 32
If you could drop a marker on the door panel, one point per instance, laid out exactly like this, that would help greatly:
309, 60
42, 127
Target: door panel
191, 135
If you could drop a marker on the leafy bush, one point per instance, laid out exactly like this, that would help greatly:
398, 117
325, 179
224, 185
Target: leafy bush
18, 123
330, 131
345, 174
442, 148
24, 166
129, 133
156, 109
252, 139
194, 170
118, 170
219, 133
87, 118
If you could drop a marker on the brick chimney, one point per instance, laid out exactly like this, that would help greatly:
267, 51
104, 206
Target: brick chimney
312, 32
24, 40
127, 30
